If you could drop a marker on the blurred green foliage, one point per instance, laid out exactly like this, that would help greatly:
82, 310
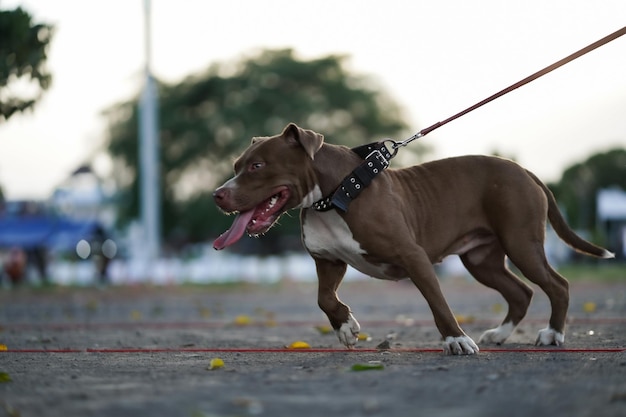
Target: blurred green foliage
576, 190
594, 271
209, 118
23, 54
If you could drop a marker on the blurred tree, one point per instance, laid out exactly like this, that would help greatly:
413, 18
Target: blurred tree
23, 54
579, 184
208, 118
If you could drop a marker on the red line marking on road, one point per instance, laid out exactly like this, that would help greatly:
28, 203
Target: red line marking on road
292, 323
311, 350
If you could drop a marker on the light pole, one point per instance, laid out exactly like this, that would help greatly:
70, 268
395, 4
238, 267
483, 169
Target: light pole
149, 191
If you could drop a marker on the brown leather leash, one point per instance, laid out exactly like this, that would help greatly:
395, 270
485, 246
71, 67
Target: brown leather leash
377, 155
512, 87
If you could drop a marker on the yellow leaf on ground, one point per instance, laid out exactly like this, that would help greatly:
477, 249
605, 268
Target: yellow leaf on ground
243, 320
497, 308
324, 329
299, 345
589, 307
463, 319
215, 363
204, 312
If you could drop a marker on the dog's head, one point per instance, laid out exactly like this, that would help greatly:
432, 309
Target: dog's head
273, 175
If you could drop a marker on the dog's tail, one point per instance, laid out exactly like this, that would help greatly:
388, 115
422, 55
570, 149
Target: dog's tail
564, 231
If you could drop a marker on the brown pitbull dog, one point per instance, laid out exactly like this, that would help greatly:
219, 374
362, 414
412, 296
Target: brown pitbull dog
478, 207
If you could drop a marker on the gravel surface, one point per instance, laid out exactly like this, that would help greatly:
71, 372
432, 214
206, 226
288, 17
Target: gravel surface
133, 351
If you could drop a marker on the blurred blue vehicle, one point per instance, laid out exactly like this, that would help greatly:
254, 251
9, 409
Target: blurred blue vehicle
29, 233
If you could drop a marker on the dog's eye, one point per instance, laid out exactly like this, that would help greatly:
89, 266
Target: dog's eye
255, 166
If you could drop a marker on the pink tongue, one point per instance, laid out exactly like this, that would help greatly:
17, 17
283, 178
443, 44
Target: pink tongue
235, 232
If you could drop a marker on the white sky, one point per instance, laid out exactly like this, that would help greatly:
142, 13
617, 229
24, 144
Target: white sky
435, 57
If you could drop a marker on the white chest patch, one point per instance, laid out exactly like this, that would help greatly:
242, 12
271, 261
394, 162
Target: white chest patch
328, 236
314, 195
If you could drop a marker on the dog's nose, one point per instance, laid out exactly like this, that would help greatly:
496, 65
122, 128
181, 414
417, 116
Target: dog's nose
220, 194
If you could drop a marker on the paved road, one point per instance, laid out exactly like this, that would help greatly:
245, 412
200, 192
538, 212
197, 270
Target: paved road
145, 351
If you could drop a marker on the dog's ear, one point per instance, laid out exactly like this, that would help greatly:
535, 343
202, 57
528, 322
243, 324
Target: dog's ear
311, 141
258, 139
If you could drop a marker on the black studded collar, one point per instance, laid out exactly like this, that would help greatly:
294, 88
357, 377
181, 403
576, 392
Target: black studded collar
376, 159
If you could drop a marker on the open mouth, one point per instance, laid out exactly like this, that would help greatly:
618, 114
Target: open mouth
257, 220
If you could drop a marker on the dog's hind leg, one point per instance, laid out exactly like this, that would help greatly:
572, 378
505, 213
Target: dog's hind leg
329, 275
532, 262
487, 264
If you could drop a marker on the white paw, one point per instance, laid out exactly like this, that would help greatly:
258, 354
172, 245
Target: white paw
348, 333
498, 335
549, 336
462, 345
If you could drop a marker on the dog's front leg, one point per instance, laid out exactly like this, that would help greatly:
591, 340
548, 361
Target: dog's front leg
329, 275
422, 273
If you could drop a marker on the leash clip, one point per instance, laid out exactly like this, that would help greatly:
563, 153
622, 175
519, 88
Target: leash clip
395, 145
